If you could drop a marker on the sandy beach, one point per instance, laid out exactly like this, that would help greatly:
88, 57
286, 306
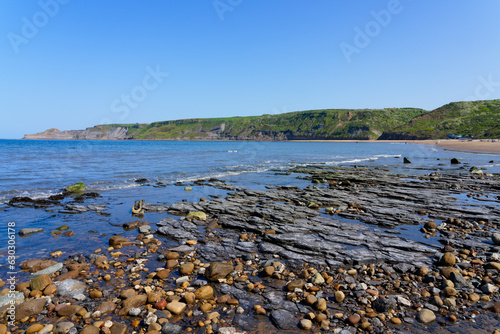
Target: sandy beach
479, 146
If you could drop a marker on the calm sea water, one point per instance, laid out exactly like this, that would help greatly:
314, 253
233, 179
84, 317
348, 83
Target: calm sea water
42, 168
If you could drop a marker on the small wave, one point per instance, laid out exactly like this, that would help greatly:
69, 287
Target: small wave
115, 187
232, 151
33, 194
388, 156
334, 163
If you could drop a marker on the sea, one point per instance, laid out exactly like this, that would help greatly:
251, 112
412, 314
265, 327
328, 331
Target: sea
38, 169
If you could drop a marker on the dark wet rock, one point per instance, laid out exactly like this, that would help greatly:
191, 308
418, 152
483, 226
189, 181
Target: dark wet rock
283, 320
118, 328
426, 316
135, 224
166, 221
182, 249
218, 270
459, 281
21, 201
385, 304
495, 237
37, 265
69, 310
406, 160
63, 327
455, 161
90, 329
181, 208
27, 231
180, 230
106, 307
404, 267
132, 302
30, 308
119, 241
76, 208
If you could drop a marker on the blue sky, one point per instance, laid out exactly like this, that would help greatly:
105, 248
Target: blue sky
71, 64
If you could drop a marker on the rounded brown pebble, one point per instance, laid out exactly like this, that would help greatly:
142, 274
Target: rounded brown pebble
311, 299
320, 317
426, 315
161, 304
474, 297
171, 263
205, 292
339, 296
95, 294
206, 307
396, 321
50, 289
172, 256
269, 270
190, 298
448, 259
297, 284
354, 319
305, 324
186, 268
90, 329
162, 274
449, 291
321, 304
34, 328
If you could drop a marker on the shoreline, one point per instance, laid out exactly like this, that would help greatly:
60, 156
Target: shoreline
474, 146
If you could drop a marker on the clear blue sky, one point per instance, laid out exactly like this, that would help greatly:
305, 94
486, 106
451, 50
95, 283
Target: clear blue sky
71, 64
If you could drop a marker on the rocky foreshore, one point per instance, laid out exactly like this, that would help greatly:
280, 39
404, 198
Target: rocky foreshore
333, 257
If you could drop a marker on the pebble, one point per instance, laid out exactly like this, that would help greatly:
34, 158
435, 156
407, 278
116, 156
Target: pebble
269, 270
426, 316
63, 327
176, 307
186, 268
297, 284
354, 319
30, 307
339, 296
448, 259
495, 237
90, 329
205, 292
34, 328
95, 294
305, 324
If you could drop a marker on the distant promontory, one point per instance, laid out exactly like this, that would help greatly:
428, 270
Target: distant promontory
478, 119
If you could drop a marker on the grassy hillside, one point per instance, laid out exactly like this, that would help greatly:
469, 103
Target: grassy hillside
480, 119
314, 124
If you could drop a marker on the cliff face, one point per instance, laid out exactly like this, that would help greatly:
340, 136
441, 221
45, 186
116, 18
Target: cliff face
95, 133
